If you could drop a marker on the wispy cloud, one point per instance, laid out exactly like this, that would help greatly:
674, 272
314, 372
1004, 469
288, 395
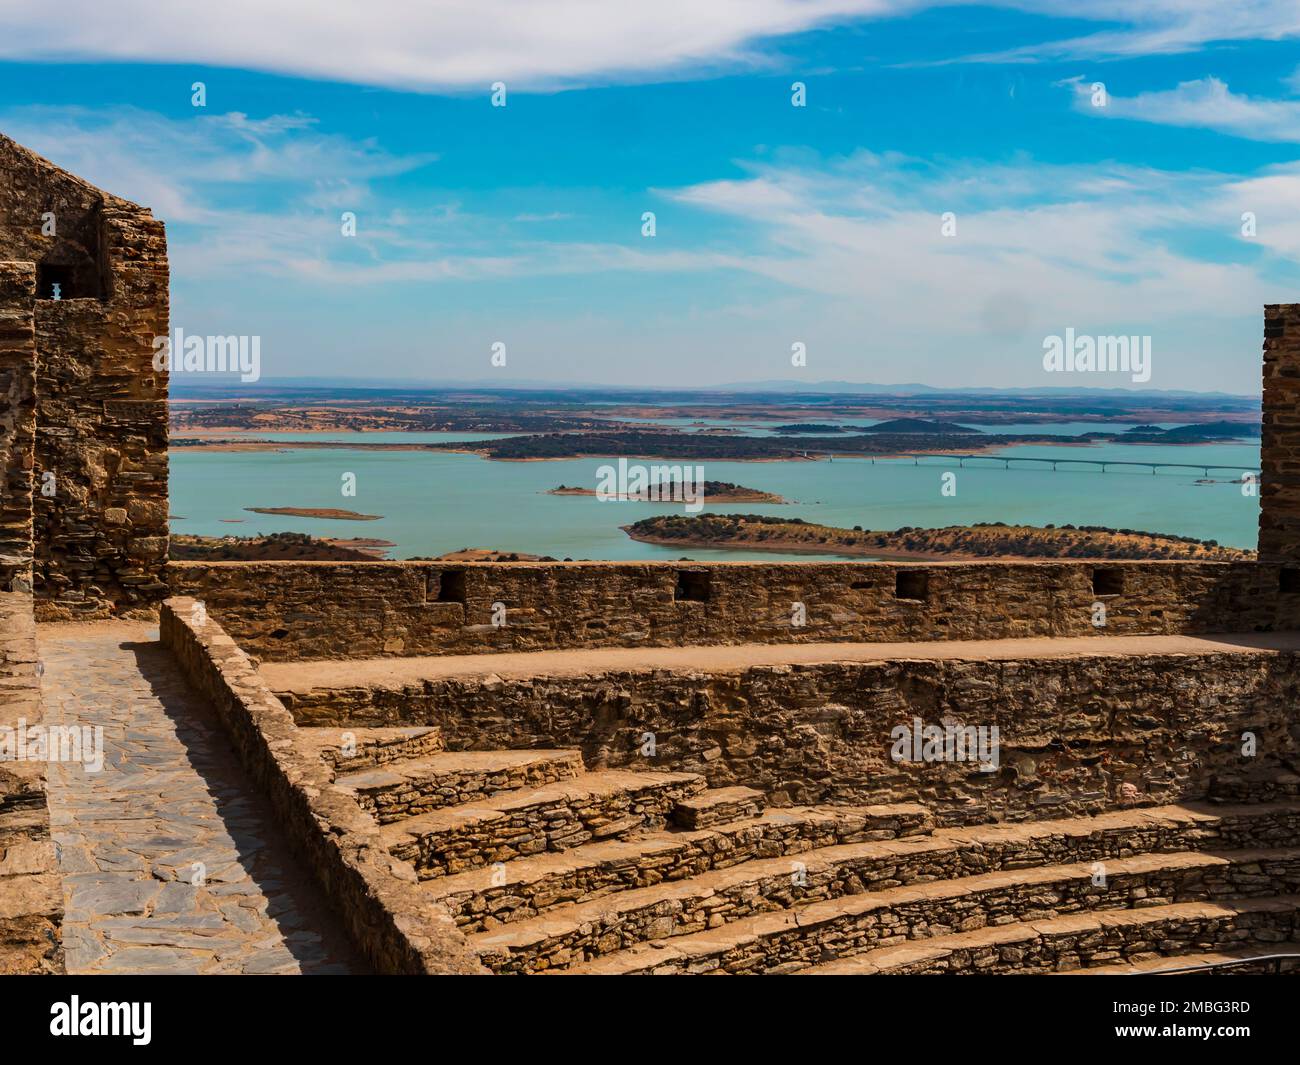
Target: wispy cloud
1036, 247
1154, 27
1206, 103
263, 197
186, 170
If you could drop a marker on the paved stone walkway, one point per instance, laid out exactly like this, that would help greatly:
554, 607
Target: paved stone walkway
170, 860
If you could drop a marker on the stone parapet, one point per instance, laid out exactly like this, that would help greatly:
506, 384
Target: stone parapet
302, 610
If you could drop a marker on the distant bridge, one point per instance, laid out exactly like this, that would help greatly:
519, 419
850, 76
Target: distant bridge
1007, 460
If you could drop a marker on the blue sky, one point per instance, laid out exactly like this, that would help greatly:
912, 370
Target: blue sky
775, 224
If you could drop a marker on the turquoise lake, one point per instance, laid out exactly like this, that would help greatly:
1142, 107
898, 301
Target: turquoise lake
433, 503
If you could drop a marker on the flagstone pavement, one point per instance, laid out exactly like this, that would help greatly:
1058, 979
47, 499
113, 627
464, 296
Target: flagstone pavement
171, 861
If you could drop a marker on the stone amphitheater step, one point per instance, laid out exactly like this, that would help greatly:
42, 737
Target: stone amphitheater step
717, 806
786, 940
1158, 937
402, 789
362, 748
1267, 956
607, 805
302, 678
578, 885
486, 898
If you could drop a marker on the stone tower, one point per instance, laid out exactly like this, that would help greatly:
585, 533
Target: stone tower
83, 413
1279, 517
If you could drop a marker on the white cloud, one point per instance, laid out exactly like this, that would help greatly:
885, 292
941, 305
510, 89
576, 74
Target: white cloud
1206, 103
418, 44
468, 44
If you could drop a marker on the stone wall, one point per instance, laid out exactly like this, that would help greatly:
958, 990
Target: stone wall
1078, 734
100, 471
1279, 516
31, 892
17, 421
288, 610
397, 928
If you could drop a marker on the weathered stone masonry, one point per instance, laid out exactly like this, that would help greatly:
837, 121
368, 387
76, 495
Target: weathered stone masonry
1279, 519
17, 420
98, 464
295, 610
1079, 734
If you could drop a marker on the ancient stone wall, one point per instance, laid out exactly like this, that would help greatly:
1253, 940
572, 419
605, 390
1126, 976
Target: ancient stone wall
287, 610
1279, 516
100, 470
17, 421
1078, 734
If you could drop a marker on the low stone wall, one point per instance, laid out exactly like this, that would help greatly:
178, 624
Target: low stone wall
398, 928
31, 891
302, 610
1078, 734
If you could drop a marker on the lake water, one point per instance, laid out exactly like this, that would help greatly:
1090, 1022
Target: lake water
432, 503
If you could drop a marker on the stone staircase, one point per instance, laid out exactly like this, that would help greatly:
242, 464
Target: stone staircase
549, 868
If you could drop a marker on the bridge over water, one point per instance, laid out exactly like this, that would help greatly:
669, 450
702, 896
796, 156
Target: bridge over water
1007, 460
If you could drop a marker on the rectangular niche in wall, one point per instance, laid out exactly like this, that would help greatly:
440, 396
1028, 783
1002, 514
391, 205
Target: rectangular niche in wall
54, 281
1108, 581
451, 586
692, 586
912, 585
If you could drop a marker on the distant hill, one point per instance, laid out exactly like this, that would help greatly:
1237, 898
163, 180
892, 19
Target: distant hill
919, 425
1181, 434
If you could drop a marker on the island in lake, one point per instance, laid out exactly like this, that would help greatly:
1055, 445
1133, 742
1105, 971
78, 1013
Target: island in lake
956, 542
671, 492
276, 547
333, 513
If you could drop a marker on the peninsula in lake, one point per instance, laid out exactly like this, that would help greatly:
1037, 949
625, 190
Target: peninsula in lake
993, 540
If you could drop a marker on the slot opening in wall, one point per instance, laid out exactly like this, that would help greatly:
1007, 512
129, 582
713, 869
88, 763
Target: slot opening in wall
48, 275
451, 586
1288, 580
912, 585
1108, 581
692, 586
